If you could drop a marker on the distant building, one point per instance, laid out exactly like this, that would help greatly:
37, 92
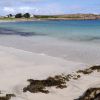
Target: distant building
9, 16
32, 16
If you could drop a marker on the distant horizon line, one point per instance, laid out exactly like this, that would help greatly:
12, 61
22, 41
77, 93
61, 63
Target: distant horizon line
52, 14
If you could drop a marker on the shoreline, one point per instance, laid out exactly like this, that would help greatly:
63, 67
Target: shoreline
44, 19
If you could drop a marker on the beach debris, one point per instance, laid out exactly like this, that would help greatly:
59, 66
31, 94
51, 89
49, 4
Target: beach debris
89, 70
58, 81
36, 86
7, 97
91, 94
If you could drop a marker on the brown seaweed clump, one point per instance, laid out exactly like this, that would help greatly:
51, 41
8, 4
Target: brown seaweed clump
90, 70
36, 86
91, 94
58, 81
7, 97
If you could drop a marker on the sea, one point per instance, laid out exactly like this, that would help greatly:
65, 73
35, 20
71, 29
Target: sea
73, 40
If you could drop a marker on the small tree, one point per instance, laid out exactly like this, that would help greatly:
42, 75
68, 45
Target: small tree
19, 15
26, 15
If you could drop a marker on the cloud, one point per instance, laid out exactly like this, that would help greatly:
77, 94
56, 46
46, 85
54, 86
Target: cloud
9, 9
22, 9
48, 6
28, 1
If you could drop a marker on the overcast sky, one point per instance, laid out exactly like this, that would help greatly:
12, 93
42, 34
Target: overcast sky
49, 6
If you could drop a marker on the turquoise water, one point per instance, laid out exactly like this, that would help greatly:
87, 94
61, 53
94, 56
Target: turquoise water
80, 30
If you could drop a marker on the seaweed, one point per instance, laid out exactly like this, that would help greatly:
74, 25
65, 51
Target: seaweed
91, 94
90, 70
7, 97
58, 81
36, 86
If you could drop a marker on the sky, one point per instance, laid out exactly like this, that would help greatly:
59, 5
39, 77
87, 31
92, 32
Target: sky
49, 6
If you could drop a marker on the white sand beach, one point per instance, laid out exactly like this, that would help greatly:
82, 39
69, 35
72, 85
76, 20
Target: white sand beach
18, 63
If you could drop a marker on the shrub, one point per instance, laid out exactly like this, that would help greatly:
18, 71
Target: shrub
19, 15
26, 15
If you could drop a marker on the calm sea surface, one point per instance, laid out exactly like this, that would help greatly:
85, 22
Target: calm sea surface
88, 30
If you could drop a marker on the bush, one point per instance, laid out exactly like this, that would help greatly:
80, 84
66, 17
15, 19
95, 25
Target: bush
19, 15
26, 15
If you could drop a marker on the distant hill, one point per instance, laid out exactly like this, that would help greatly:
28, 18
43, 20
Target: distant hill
69, 16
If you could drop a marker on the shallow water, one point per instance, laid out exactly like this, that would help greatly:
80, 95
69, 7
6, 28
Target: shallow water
81, 30
71, 40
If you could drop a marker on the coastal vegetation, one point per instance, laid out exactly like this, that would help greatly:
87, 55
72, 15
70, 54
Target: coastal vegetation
69, 16
29, 16
26, 15
20, 15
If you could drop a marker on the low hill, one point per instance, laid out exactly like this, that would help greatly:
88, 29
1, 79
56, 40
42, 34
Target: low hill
69, 16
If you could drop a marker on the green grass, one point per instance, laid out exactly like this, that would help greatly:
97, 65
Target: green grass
7, 18
14, 19
56, 16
